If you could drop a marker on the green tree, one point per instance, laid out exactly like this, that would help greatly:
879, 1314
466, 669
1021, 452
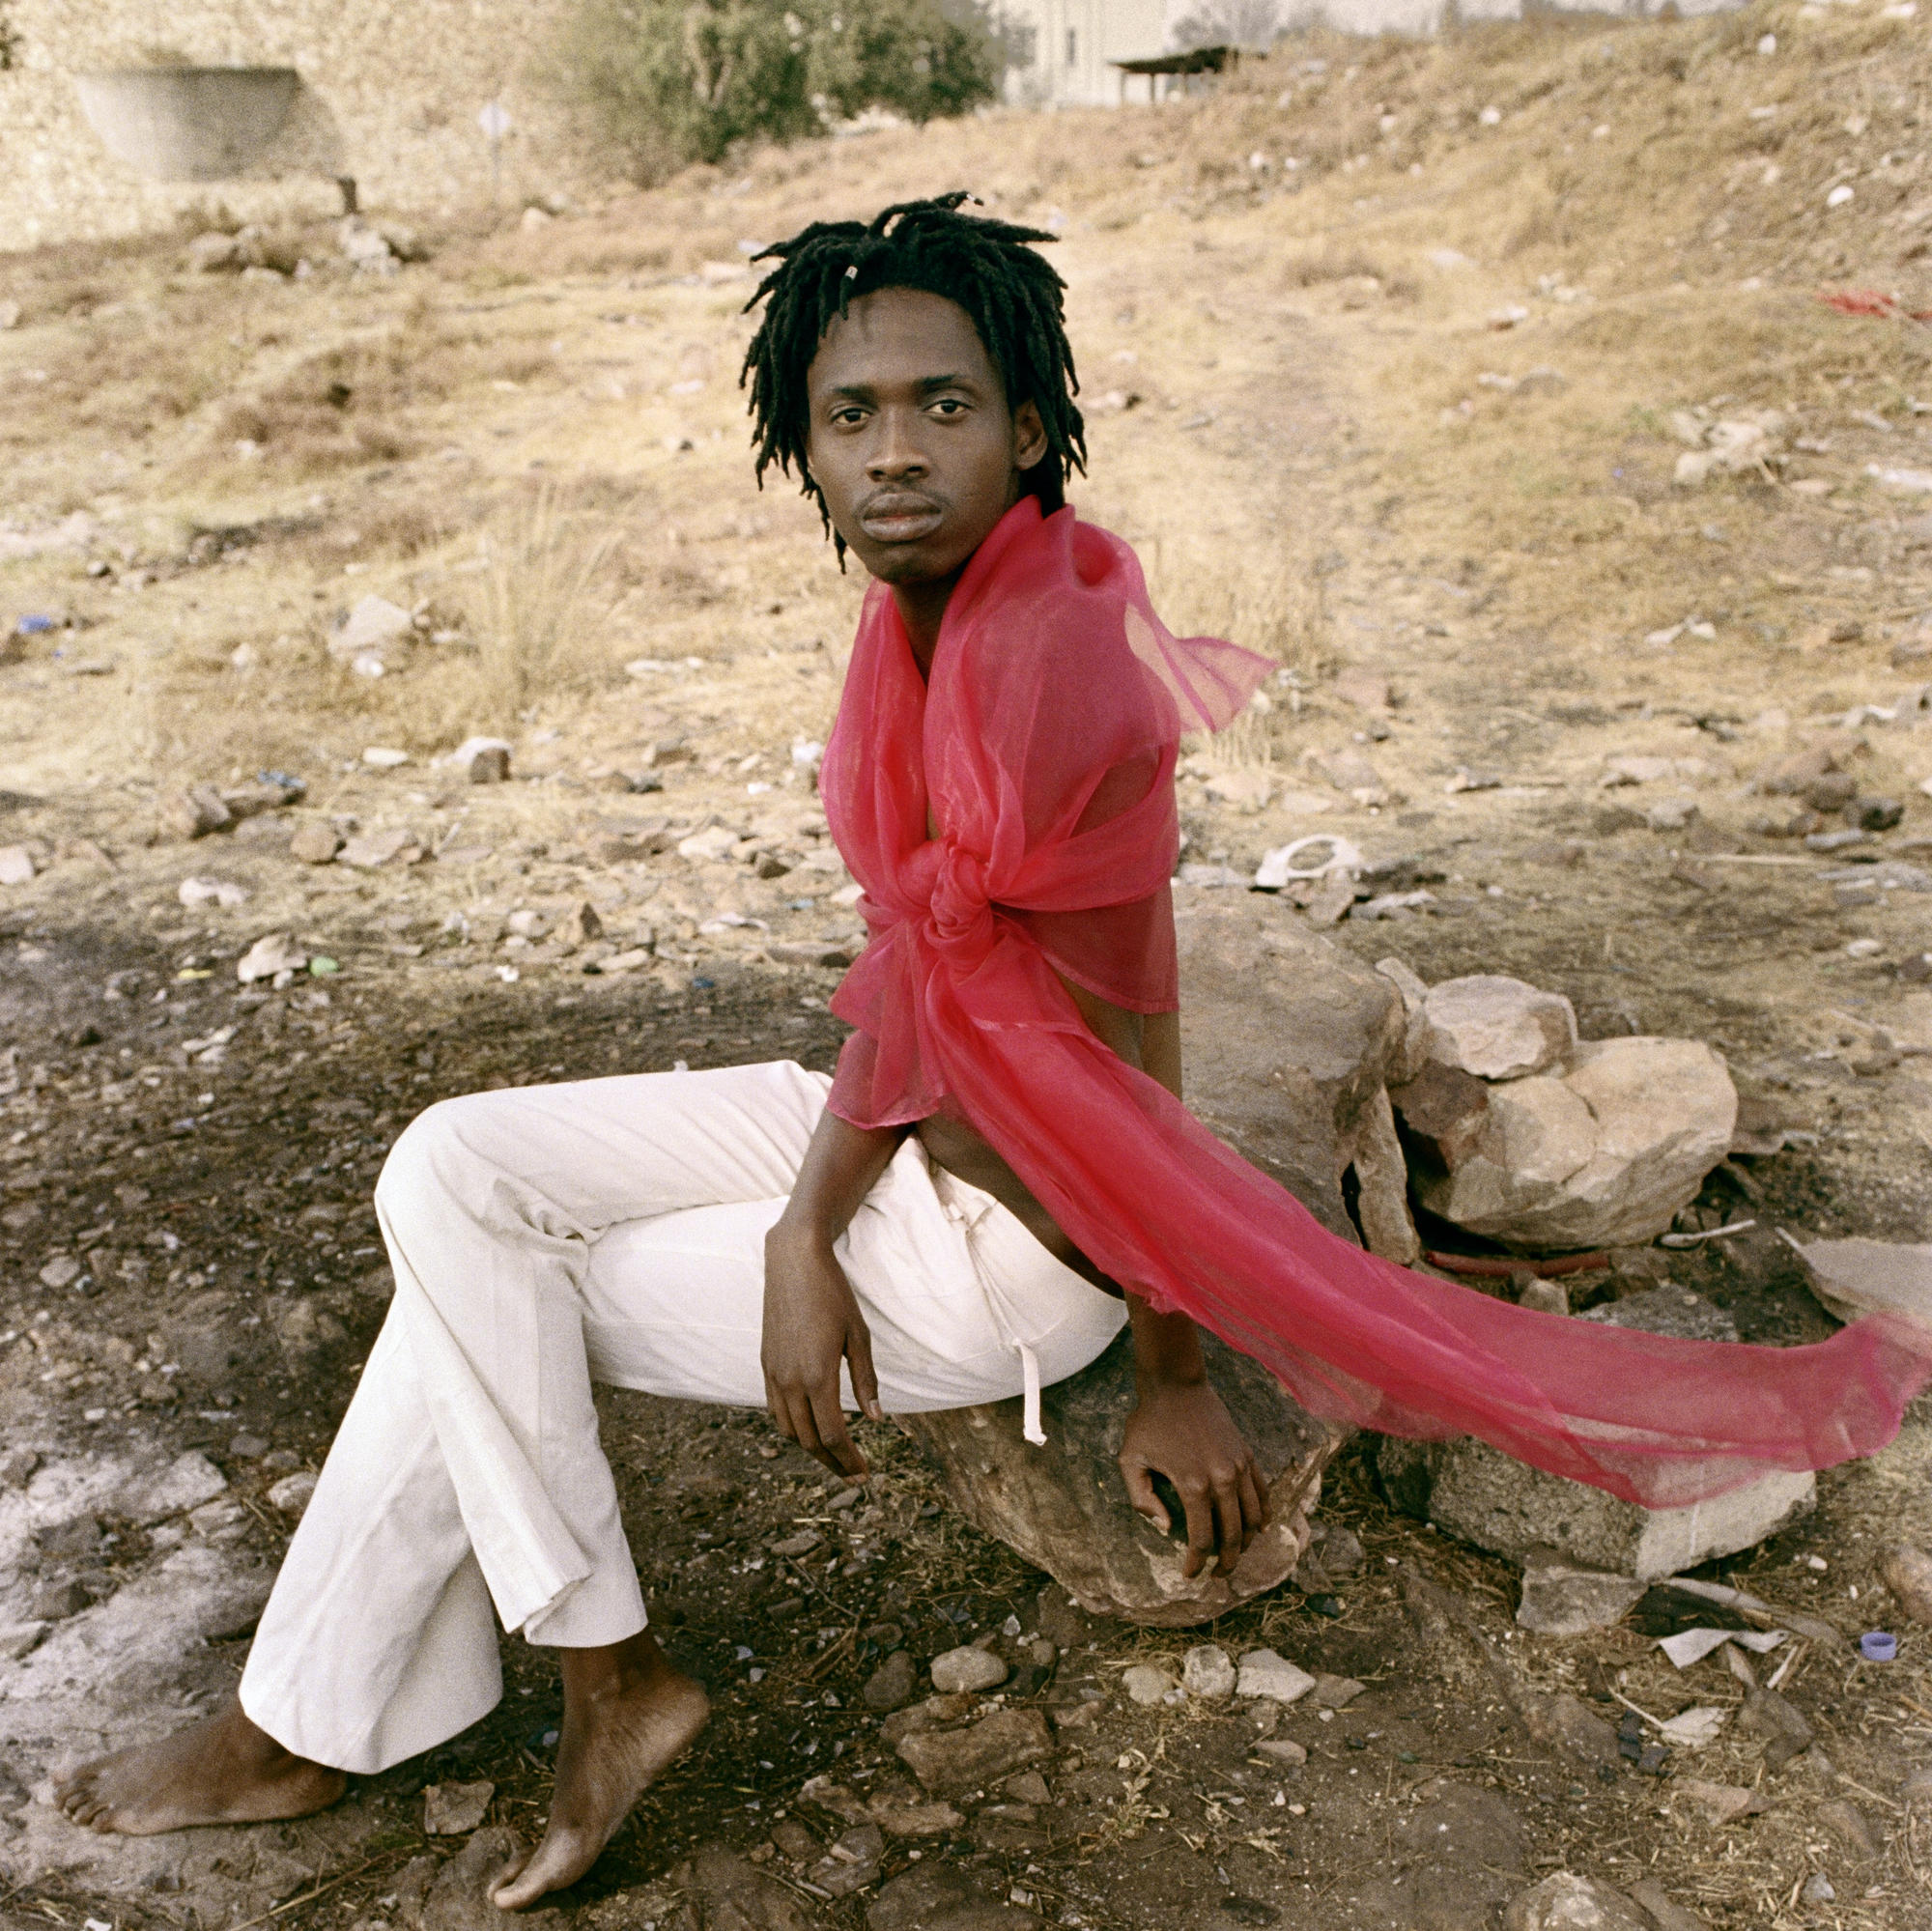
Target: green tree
672, 81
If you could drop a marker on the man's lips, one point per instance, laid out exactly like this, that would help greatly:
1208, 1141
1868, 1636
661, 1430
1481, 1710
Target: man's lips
900, 519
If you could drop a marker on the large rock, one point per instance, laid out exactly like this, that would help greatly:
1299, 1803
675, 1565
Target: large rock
1603, 1155
1290, 1045
1065, 1509
1498, 1028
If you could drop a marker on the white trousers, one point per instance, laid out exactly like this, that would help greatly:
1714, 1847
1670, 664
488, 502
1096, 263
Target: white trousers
612, 1230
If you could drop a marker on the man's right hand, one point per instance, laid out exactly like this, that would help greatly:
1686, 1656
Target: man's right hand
811, 1325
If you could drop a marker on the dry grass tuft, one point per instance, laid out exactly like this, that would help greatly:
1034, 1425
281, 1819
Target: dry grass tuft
542, 618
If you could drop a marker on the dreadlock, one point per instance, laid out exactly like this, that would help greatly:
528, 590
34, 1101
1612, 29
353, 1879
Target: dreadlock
1011, 294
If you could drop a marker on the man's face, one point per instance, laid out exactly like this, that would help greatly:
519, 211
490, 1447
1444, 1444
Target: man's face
911, 437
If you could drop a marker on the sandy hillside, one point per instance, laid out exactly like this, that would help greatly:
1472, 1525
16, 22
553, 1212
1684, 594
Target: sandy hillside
1392, 356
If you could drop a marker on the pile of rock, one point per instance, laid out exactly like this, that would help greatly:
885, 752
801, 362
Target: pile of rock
1751, 442
1521, 1132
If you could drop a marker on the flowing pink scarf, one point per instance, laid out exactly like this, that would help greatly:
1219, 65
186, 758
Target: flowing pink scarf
1051, 672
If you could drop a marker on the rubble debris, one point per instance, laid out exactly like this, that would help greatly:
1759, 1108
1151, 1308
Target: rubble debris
1207, 1672
949, 1762
193, 813
1566, 1902
1264, 1673
967, 1669
315, 842
1750, 442
270, 956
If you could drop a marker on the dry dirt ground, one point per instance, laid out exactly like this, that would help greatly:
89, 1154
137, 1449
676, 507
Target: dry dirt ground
1304, 409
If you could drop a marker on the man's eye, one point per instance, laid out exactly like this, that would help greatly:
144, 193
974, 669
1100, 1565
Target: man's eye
848, 416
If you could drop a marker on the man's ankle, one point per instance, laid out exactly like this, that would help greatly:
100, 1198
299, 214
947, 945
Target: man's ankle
615, 1669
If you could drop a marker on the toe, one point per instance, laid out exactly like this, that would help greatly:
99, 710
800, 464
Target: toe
507, 1893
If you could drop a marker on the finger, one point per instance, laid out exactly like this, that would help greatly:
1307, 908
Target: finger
1139, 1478
829, 1419
864, 1376
1254, 1502
1228, 1521
1200, 1507
799, 1423
775, 1400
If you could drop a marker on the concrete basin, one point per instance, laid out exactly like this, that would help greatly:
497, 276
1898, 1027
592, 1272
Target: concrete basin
187, 123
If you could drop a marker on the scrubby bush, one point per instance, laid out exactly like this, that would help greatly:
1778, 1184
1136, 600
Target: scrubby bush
672, 81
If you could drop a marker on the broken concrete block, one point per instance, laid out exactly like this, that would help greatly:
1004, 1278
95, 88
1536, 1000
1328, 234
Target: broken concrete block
1479, 1493
1483, 1495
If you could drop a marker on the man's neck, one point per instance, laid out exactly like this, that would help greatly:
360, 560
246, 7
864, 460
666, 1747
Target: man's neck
921, 606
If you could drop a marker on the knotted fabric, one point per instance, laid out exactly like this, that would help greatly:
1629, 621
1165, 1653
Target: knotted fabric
1044, 750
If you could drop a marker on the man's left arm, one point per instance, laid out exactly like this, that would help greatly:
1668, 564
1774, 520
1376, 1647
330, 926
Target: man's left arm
1179, 1428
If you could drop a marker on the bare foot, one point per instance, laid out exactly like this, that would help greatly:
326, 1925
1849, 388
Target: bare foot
223, 1771
626, 1715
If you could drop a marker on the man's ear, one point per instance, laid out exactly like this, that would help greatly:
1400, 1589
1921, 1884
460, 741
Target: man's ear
1028, 436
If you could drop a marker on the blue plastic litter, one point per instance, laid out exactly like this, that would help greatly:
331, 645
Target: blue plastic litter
1878, 1646
35, 626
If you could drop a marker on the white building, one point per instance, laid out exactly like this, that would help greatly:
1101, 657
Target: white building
1060, 50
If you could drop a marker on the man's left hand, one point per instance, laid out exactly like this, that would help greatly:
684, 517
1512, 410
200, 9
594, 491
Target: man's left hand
1180, 1430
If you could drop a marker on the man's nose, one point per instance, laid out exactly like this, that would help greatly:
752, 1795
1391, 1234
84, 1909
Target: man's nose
896, 455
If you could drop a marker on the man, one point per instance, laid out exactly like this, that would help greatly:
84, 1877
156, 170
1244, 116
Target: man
953, 1220
729, 1235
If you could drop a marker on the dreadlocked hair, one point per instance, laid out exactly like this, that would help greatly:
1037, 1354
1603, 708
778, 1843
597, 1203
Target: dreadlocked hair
1011, 294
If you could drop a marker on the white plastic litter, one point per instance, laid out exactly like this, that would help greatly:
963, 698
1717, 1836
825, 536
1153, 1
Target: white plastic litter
1279, 866
1689, 1646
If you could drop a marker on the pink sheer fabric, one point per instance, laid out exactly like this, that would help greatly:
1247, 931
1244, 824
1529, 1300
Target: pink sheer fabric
1052, 673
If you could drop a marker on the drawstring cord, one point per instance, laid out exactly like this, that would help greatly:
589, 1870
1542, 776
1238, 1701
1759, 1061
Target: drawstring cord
1031, 1421
1030, 1372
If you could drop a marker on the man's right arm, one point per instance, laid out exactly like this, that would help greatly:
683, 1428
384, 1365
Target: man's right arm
811, 1318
